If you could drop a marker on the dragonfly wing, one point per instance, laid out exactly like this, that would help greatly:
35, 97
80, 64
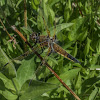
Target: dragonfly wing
20, 57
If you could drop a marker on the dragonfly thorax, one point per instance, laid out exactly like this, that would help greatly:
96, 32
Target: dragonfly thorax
51, 41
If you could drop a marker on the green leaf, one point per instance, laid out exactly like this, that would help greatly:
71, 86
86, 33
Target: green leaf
60, 65
35, 90
68, 75
94, 94
9, 69
75, 29
33, 5
26, 71
52, 60
94, 59
61, 37
51, 13
98, 47
45, 12
74, 53
18, 3
88, 84
95, 67
79, 82
52, 2
5, 79
87, 47
36, 2
82, 36
9, 83
8, 88
2, 2
8, 95
69, 4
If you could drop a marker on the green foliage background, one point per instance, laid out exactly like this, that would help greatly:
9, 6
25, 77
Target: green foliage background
78, 34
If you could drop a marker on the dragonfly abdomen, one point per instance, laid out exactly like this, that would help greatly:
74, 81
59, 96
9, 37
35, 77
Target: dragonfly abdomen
72, 58
62, 52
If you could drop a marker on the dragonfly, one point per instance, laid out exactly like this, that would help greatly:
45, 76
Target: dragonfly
50, 42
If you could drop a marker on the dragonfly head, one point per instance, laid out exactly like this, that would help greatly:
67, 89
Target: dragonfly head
34, 36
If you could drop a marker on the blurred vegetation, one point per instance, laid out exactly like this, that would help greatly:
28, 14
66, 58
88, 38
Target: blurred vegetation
81, 39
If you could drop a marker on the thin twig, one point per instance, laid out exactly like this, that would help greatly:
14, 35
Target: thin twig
25, 14
25, 19
12, 38
5, 29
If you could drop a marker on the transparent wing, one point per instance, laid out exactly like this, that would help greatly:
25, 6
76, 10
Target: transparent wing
21, 56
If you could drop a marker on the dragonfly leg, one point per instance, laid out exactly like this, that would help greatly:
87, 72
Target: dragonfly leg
46, 57
42, 48
49, 51
46, 27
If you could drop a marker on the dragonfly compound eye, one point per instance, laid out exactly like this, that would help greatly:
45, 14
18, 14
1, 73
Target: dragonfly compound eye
33, 36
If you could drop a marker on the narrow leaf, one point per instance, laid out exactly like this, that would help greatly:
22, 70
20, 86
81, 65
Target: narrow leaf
75, 29
87, 47
93, 94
